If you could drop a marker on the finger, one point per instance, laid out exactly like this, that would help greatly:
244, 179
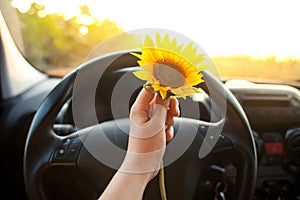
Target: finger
174, 107
172, 112
164, 102
169, 133
149, 121
169, 120
140, 109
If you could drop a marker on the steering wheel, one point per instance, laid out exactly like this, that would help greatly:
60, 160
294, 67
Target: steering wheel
79, 165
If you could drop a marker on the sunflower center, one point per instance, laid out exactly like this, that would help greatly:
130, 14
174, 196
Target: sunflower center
168, 75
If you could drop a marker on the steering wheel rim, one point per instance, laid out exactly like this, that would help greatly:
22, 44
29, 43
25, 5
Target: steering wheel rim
42, 143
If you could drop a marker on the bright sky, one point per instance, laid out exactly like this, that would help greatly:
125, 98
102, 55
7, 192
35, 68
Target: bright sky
220, 27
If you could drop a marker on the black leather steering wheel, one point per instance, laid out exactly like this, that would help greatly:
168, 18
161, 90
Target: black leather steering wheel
68, 167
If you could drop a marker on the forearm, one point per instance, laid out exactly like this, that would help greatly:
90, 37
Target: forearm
125, 186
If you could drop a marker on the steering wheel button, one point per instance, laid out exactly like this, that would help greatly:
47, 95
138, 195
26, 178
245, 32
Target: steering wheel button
73, 150
60, 156
61, 152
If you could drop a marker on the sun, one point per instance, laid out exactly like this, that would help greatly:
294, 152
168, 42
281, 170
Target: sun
170, 68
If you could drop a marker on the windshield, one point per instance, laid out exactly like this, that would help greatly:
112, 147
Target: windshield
254, 40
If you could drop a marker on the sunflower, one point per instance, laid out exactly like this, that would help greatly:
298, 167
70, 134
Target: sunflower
169, 68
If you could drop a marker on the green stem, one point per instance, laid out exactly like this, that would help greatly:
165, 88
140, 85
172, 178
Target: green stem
162, 182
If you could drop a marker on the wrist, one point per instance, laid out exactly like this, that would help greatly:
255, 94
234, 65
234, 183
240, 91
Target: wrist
142, 163
133, 184
126, 186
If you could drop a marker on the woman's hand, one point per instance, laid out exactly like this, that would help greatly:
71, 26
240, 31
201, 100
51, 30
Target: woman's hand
151, 126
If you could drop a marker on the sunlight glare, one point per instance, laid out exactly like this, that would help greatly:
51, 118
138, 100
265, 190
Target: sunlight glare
71, 12
257, 28
85, 19
83, 30
22, 5
41, 13
222, 28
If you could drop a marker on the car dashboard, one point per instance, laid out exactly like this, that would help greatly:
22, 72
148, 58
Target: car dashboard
274, 114
273, 111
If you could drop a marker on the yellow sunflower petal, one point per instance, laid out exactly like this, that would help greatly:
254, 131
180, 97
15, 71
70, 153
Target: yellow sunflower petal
163, 93
149, 42
187, 51
198, 59
156, 86
196, 90
176, 91
148, 56
174, 43
201, 67
158, 41
147, 67
143, 75
137, 55
178, 48
166, 42
194, 80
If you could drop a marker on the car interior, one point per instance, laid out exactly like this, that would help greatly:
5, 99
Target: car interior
54, 132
